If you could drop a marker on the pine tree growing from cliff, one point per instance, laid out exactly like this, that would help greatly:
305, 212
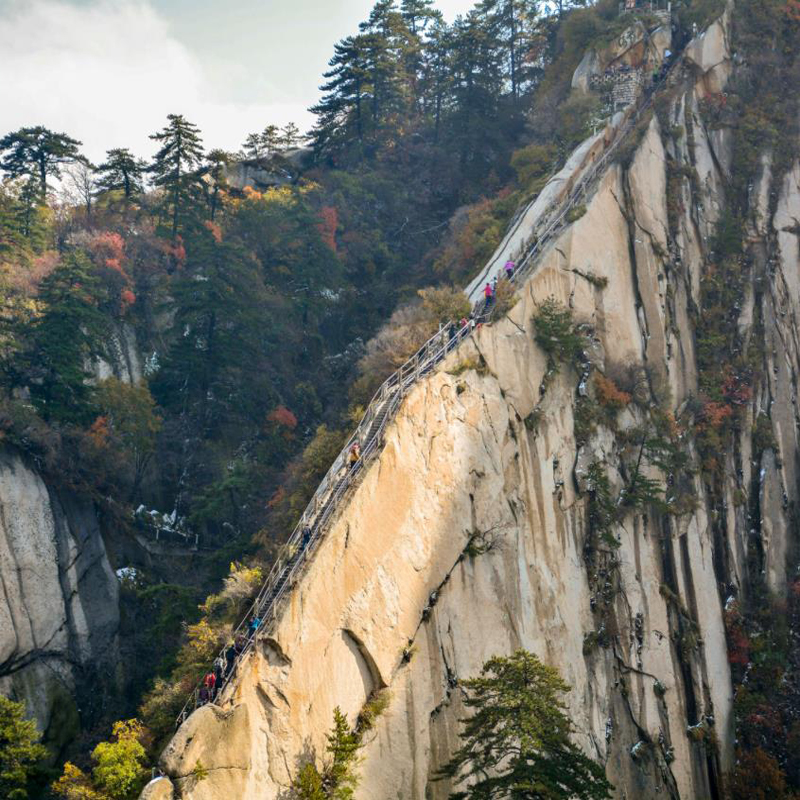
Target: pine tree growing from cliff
517, 742
338, 779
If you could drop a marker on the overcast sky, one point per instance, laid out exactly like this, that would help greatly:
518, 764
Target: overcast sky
109, 71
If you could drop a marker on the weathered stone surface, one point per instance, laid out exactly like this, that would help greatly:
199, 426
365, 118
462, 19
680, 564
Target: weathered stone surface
710, 52
121, 357
158, 789
585, 71
59, 609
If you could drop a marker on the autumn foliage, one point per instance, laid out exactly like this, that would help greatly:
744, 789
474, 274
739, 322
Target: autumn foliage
758, 776
283, 417
328, 224
608, 394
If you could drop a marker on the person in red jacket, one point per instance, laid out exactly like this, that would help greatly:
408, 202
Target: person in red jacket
210, 682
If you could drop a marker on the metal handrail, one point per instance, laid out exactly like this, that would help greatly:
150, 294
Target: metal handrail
386, 401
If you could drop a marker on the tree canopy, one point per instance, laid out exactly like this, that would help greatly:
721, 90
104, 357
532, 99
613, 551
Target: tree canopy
37, 153
122, 171
516, 743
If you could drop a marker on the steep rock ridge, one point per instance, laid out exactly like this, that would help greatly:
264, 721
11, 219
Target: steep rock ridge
397, 599
59, 615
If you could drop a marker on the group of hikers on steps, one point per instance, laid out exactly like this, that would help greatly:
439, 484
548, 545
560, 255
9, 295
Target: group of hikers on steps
490, 290
214, 681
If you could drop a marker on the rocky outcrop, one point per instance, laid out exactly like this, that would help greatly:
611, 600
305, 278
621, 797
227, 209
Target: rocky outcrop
637, 47
469, 535
121, 358
59, 612
270, 172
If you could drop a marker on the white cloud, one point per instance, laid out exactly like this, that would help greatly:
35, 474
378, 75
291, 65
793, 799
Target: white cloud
108, 73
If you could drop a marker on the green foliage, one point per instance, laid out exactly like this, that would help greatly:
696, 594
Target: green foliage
574, 214
129, 422
763, 435
60, 341
120, 765
575, 117
444, 304
603, 508
74, 784
19, 750
479, 542
308, 784
642, 491
119, 771
699, 12
343, 746
373, 708
474, 235
37, 153
121, 171
586, 416
533, 419
470, 363
176, 170
338, 779
517, 740
555, 333
533, 164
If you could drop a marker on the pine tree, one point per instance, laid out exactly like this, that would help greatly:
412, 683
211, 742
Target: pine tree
514, 24
210, 372
27, 211
270, 139
385, 37
61, 341
122, 171
339, 779
340, 112
176, 169
252, 149
417, 14
216, 162
38, 153
436, 72
477, 84
290, 136
516, 743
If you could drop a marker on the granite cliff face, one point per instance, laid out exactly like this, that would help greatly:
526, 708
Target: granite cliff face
59, 615
470, 534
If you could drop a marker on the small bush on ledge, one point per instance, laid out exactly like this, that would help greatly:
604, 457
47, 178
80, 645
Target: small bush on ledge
555, 333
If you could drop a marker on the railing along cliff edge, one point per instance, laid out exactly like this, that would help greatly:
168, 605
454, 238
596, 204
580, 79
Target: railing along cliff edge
381, 410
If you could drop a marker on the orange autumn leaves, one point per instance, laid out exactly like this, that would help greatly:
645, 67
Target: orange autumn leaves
107, 250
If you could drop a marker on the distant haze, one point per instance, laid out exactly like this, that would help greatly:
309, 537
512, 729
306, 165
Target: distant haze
109, 71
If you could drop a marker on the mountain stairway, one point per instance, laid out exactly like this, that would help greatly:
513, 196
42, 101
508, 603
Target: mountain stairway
369, 434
